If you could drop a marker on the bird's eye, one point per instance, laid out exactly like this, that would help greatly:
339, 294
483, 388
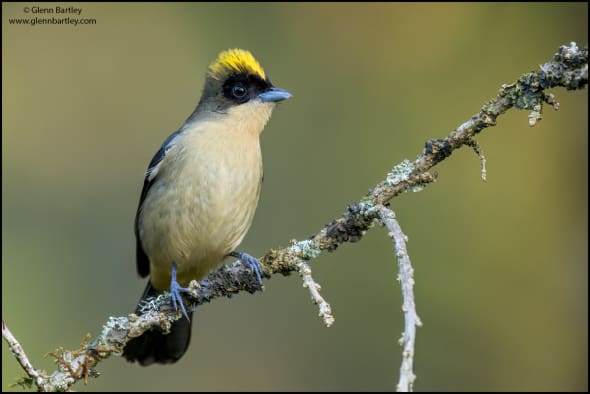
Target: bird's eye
239, 90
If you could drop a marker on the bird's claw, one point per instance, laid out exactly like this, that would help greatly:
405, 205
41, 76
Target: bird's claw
251, 262
175, 290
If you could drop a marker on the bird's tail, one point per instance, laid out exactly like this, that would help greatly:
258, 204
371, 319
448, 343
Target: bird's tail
155, 347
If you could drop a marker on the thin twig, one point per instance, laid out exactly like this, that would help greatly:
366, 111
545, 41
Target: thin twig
19, 353
406, 277
314, 290
479, 152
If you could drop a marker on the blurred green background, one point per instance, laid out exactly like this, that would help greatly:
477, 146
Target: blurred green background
500, 267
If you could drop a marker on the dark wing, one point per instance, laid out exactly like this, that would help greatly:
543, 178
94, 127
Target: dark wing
142, 260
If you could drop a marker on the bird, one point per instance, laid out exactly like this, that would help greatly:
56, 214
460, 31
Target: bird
200, 193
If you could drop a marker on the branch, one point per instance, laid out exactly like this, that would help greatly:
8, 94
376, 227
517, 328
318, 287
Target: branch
314, 289
406, 277
19, 353
568, 68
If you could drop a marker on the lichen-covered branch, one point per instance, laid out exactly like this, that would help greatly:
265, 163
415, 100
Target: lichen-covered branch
34, 376
316, 297
406, 278
568, 68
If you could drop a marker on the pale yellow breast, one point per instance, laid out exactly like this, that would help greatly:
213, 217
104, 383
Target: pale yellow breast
202, 202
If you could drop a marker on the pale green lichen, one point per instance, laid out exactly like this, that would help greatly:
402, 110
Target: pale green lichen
535, 114
306, 249
400, 173
112, 332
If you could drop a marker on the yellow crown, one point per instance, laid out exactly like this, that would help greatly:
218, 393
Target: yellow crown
235, 60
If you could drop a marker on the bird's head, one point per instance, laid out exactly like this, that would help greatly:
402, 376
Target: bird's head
236, 78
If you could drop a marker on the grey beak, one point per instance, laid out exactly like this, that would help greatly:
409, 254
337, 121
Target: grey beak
274, 95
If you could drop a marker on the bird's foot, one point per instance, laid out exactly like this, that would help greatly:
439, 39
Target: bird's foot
251, 262
175, 290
